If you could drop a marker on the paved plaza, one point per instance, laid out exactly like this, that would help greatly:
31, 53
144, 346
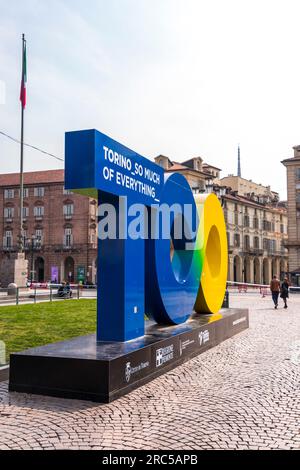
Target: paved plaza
243, 394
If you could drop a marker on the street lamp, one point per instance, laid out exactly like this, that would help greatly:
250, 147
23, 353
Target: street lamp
33, 244
90, 274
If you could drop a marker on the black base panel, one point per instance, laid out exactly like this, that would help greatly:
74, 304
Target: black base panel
83, 369
4, 373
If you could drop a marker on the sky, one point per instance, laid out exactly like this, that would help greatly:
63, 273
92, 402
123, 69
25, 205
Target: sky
182, 78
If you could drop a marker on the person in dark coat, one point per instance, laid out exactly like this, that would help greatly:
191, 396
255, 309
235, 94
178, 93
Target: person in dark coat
284, 294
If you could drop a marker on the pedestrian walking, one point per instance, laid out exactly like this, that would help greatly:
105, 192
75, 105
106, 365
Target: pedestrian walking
275, 289
284, 291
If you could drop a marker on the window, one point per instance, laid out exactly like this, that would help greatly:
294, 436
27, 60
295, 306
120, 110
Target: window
255, 223
9, 212
237, 241
267, 225
68, 209
25, 192
266, 244
298, 173
247, 242
39, 211
7, 239
9, 193
68, 238
39, 234
25, 212
256, 243
282, 228
246, 221
39, 192
273, 246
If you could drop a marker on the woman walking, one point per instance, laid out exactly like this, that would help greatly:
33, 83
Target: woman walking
285, 291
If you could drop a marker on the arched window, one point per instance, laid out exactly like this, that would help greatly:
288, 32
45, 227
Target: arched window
69, 269
39, 211
68, 237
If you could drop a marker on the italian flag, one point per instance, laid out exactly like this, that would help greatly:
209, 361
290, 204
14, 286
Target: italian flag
24, 78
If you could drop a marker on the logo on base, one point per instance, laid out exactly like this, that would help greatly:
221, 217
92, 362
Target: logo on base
164, 355
203, 337
130, 371
127, 372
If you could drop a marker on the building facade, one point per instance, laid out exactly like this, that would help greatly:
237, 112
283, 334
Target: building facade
250, 189
293, 192
256, 234
255, 219
60, 227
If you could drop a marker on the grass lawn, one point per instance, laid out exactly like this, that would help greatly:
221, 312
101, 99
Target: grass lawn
26, 326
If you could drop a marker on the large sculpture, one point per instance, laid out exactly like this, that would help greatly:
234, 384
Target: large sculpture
136, 276
162, 254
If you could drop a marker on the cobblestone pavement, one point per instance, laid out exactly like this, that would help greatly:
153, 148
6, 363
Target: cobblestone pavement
243, 394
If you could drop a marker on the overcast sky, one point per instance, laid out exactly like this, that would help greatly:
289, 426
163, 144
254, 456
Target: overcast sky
179, 77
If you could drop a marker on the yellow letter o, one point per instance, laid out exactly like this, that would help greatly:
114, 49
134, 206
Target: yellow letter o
213, 250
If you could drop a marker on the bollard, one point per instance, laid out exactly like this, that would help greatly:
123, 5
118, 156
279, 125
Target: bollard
12, 289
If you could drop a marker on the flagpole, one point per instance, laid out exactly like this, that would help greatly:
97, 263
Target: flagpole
22, 155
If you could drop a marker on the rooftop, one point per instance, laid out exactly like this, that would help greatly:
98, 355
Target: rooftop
33, 177
279, 207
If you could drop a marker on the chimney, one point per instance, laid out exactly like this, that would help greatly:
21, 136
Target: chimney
296, 151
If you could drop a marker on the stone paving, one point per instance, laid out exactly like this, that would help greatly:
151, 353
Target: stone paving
243, 394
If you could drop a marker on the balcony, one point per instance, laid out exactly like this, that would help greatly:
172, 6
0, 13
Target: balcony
277, 253
68, 216
254, 251
37, 248
69, 247
287, 243
9, 249
9, 220
74, 248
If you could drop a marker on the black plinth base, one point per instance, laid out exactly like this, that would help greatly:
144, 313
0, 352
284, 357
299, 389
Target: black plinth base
81, 368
